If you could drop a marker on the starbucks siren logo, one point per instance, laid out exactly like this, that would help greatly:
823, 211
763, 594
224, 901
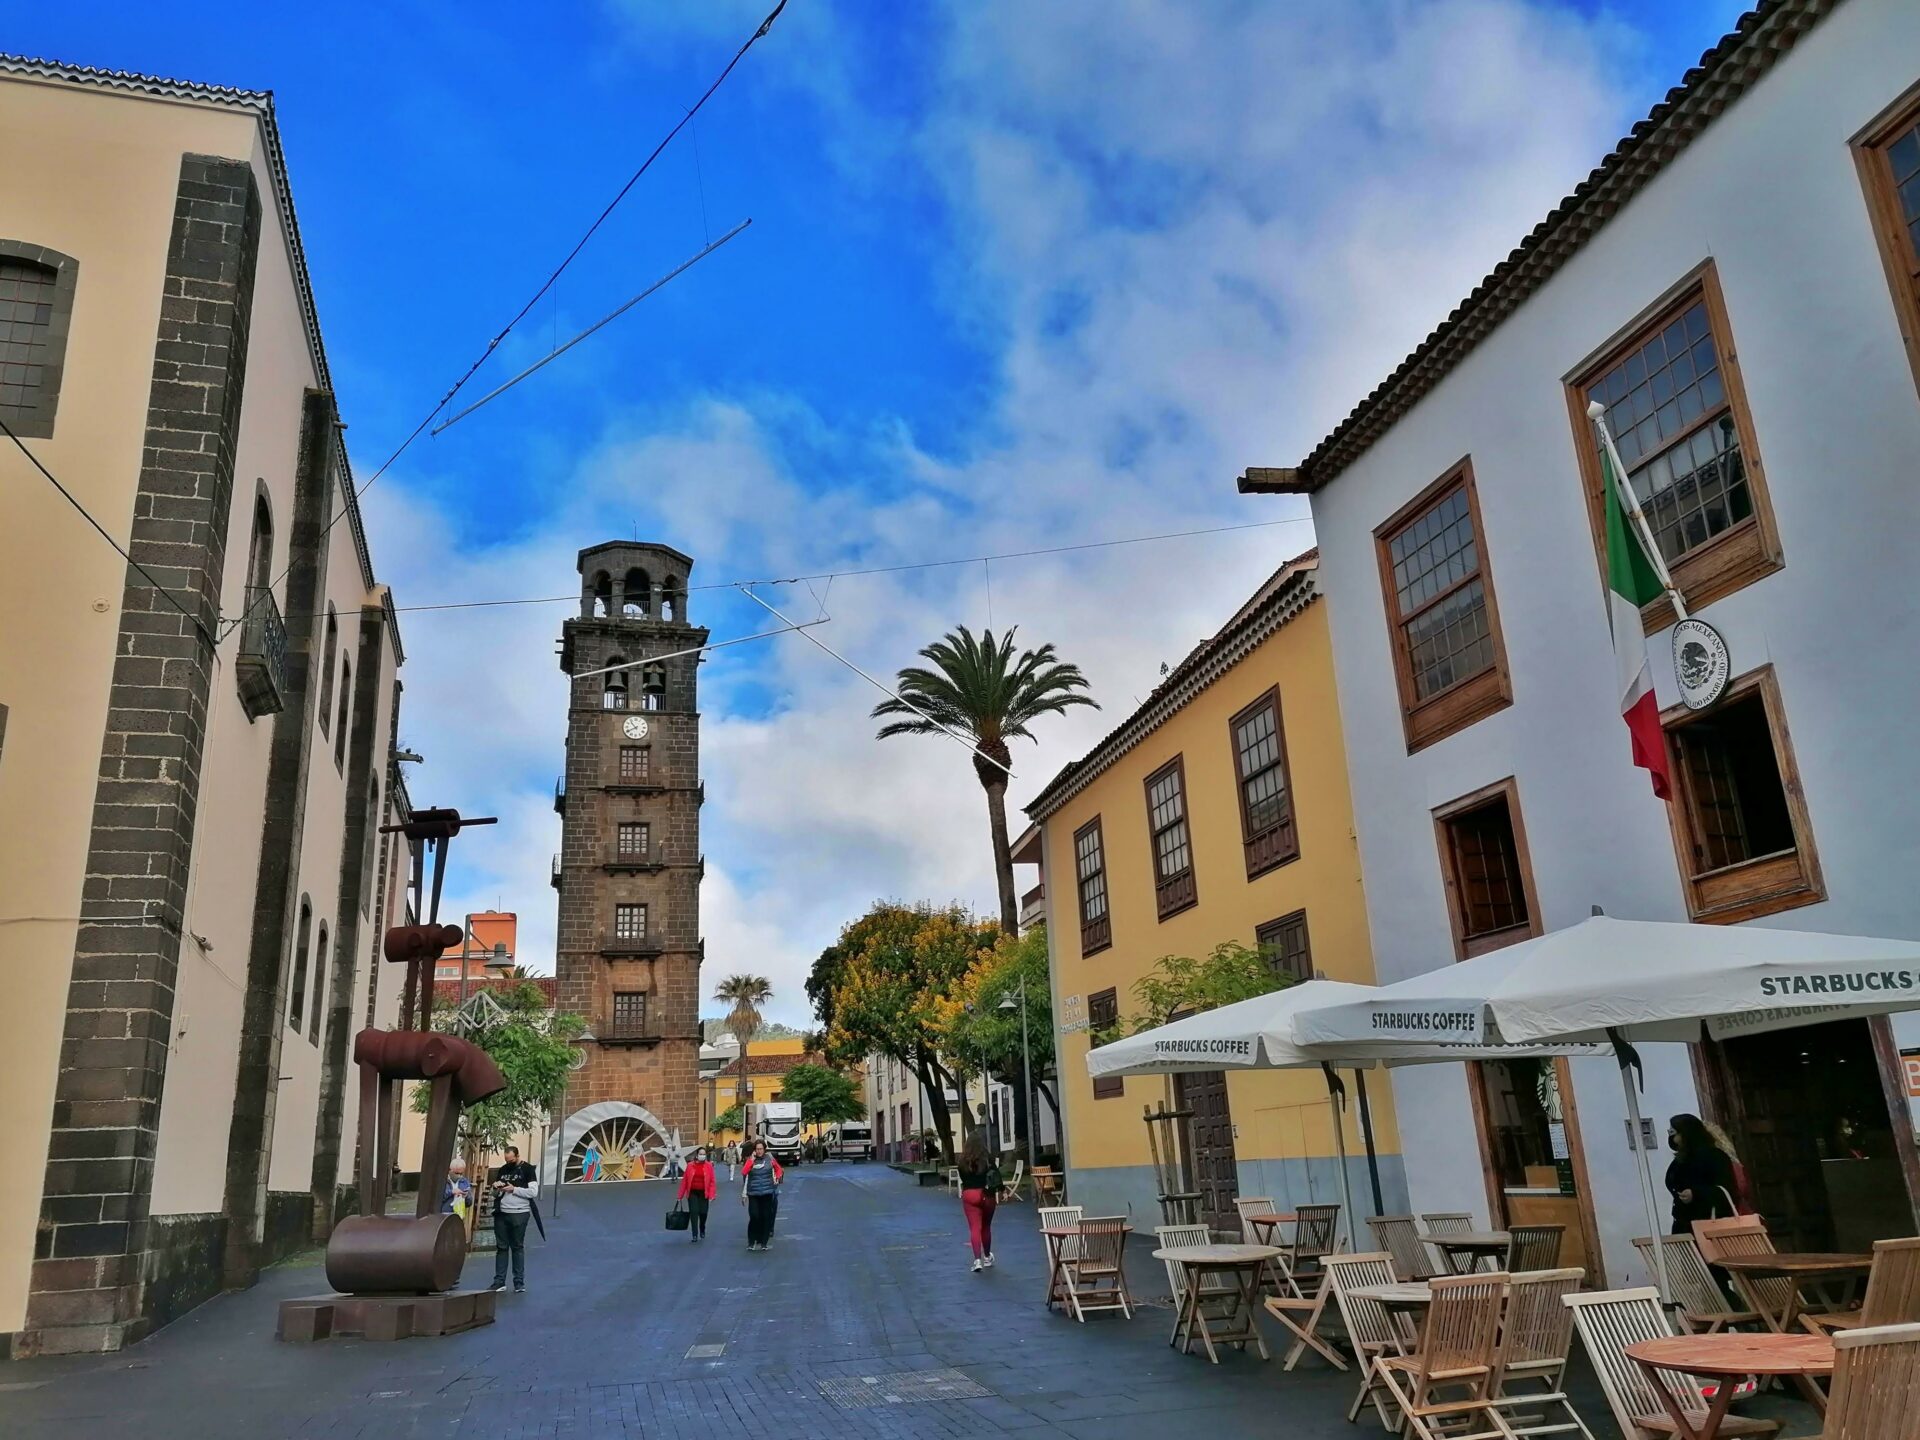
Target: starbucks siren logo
1700, 663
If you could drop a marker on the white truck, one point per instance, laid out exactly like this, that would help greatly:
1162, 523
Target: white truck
850, 1140
778, 1123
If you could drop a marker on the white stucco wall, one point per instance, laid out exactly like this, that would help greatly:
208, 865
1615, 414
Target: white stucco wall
1771, 194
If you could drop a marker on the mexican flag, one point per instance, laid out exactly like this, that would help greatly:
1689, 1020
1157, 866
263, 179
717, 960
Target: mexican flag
1633, 580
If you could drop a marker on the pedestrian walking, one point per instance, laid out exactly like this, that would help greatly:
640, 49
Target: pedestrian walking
733, 1159
979, 1185
1702, 1178
457, 1196
516, 1185
760, 1193
698, 1186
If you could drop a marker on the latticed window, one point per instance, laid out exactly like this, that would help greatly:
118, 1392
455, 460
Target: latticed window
1090, 875
630, 923
1667, 406
1284, 943
27, 300
1890, 165
1173, 880
633, 837
629, 1013
1103, 1015
1441, 599
1486, 870
635, 761
1266, 800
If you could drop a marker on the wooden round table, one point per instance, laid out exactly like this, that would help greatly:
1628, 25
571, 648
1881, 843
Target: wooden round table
1476, 1245
1233, 1324
1728, 1358
1805, 1268
1406, 1303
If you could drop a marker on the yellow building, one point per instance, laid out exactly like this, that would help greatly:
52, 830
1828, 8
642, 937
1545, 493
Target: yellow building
768, 1063
1217, 811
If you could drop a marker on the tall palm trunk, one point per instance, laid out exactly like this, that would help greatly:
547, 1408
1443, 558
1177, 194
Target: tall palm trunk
993, 779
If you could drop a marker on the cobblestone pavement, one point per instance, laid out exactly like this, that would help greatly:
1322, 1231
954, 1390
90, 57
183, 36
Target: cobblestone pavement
864, 1320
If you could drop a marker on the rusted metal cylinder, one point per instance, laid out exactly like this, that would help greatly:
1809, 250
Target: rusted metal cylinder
389, 1255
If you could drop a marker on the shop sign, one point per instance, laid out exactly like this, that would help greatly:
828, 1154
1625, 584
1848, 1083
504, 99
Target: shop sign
1910, 1062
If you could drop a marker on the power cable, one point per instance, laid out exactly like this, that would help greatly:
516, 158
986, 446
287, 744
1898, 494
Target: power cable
87, 515
831, 575
546, 285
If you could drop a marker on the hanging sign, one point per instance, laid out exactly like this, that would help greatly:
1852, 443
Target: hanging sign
1700, 663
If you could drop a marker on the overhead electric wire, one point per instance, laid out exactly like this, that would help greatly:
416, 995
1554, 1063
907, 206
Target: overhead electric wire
87, 515
831, 575
546, 285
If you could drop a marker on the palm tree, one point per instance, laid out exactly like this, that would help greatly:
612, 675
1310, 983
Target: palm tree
976, 687
746, 994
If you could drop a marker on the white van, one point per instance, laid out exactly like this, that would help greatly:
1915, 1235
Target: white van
850, 1140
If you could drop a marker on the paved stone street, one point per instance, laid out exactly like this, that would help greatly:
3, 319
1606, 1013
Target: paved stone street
866, 1293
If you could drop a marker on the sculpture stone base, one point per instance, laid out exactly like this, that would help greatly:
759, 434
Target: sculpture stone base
384, 1317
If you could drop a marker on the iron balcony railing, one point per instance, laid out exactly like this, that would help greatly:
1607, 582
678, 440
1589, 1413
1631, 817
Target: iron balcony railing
261, 666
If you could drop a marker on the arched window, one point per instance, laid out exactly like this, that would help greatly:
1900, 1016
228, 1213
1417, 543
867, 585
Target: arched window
653, 686
260, 548
36, 304
638, 593
326, 668
319, 984
597, 603
298, 989
613, 689
673, 599
346, 712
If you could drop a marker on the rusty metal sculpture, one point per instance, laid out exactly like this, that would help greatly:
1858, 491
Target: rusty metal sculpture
398, 1274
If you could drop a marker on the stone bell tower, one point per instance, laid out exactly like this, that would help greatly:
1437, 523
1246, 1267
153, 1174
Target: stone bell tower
629, 868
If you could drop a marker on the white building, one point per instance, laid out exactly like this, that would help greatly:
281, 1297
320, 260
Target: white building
1737, 280
900, 1109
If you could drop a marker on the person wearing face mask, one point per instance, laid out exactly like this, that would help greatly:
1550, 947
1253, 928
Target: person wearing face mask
1701, 1178
698, 1186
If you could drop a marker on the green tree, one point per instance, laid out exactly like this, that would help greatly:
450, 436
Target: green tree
532, 1046
746, 994
976, 688
890, 972
825, 1097
990, 1032
729, 1121
1179, 985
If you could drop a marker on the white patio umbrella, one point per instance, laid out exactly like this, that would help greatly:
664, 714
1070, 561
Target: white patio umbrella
1628, 980
1258, 1034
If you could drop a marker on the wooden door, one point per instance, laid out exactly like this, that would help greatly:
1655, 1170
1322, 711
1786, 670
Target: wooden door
1216, 1170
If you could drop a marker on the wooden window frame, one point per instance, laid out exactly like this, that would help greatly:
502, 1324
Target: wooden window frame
1465, 947
1897, 251
643, 765
1738, 555
1096, 934
1278, 843
644, 934
620, 830
1272, 928
1105, 1087
1180, 891
624, 1031
1766, 885
1468, 701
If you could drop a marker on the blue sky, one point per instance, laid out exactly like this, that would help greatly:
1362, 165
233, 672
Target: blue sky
1018, 275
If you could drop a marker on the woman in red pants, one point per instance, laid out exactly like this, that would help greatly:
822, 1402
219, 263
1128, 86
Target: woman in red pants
979, 1184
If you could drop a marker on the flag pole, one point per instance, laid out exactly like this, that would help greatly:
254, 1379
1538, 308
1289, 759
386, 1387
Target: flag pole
1631, 504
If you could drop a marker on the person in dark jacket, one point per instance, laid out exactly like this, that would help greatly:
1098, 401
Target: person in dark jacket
760, 1193
1701, 1178
698, 1186
979, 1187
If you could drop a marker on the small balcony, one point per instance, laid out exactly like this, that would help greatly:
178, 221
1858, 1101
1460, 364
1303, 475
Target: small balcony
260, 668
624, 1031
556, 871
560, 796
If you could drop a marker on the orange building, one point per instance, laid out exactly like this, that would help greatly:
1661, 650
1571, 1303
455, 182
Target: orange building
485, 929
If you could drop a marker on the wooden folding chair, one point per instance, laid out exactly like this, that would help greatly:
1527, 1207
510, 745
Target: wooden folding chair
1011, 1190
1213, 1288
1773, 1298
1247, 1205
1893, 1292
1458, 1350
1447, 1222
1399, 1236
1097, 1275
1536, 1335
1302, 1276
1704, 1307
1055, 1217
1371, 1328
1534, 1247
1876, 1385
1611, 1320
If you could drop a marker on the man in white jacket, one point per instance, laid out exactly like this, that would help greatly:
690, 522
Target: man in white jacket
515, 1187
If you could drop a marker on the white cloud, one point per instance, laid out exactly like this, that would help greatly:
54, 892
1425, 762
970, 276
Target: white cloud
1198, 234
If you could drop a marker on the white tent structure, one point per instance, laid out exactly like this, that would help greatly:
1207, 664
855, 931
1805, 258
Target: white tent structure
1623, 981
1258, 1034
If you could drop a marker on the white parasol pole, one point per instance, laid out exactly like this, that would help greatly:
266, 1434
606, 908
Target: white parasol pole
1340, 1146
1628, 1058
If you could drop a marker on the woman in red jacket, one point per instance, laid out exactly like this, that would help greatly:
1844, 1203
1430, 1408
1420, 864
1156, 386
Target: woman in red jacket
698, 1186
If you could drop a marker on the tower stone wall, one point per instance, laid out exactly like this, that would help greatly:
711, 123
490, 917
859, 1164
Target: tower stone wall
633, 758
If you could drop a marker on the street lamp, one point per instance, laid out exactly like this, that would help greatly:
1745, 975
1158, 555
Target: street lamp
1026, 1066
